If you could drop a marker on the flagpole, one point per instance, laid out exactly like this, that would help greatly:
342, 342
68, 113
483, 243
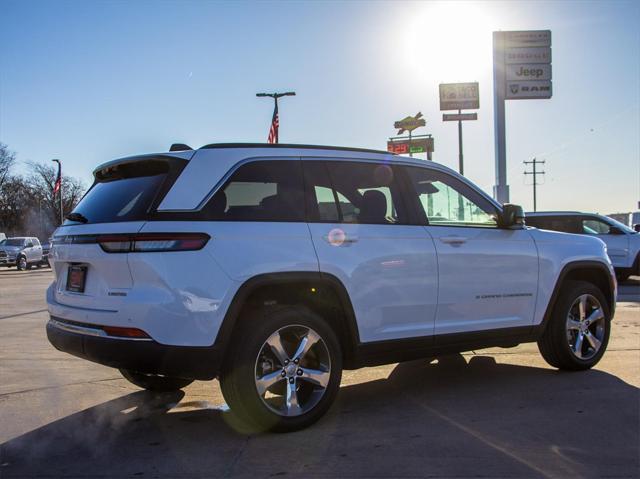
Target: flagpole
275, 96
60, 190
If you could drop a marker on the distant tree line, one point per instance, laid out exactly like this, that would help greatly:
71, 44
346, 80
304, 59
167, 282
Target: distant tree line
27, 204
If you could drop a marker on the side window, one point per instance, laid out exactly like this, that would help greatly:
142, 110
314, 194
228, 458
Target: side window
446, 201
262, 190
352, 192
564, 224
592, 226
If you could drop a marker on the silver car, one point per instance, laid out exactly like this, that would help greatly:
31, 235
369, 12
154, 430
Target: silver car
22, 252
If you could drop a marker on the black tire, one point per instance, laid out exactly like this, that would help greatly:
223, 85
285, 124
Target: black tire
554, 344
153, 382
622, 277
21, 263
238, 372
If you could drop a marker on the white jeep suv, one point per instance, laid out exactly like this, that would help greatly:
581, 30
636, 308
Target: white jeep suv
275, 267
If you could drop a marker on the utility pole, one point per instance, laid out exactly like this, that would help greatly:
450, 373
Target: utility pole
460, 156
535, 174
275, 97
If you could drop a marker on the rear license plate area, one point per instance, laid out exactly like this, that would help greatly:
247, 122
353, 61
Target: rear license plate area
76, 278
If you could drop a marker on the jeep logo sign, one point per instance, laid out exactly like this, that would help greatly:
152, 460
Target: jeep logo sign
528, 71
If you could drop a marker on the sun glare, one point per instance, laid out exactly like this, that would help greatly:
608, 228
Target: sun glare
449, 41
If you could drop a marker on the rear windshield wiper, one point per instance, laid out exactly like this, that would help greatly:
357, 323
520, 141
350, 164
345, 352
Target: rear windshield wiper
79, 217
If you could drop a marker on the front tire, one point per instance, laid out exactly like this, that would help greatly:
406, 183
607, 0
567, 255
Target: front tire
154, 382
577, 334
283, 369
21, 263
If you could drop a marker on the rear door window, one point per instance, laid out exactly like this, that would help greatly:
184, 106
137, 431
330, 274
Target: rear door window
263, 190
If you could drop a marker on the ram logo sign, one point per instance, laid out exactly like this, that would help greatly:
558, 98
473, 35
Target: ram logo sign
528, 89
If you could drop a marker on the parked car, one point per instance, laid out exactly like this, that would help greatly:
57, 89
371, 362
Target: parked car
275, 267
623, 243
22, 252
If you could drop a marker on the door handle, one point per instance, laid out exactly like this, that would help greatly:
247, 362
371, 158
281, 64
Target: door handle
453, 240
339, 239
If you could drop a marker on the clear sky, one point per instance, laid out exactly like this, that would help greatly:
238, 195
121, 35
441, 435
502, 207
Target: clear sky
90, 81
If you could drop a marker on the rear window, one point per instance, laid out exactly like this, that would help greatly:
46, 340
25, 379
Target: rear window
122, 193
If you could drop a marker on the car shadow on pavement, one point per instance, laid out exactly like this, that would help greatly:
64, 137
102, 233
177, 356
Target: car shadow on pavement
453, 416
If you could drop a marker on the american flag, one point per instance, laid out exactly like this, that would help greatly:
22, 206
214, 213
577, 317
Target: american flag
275, 123
58, 183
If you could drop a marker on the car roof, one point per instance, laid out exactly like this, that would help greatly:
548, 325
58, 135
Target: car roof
292, 146
559, 213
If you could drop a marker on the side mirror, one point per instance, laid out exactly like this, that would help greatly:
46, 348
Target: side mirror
29, 245
512, 216
614, 230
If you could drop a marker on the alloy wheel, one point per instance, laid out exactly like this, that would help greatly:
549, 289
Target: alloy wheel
586, 327
292, 370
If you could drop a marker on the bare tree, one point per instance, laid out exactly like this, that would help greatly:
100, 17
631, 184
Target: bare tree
41, 182
7, 160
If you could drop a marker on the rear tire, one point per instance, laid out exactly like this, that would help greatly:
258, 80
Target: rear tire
293, 357
154, 382
577, 333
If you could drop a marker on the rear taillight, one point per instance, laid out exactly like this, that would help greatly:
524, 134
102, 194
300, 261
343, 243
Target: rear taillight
152, 242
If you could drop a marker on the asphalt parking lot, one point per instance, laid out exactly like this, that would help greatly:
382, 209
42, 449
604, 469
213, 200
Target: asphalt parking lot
495, 413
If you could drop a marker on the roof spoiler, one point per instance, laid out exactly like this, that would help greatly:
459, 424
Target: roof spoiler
180, 147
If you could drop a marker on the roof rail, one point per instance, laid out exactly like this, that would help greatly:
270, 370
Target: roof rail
291, 145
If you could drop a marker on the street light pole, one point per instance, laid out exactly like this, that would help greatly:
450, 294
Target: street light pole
60, 191
275, 97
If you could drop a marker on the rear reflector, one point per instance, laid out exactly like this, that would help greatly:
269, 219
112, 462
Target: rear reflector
124, 332
152, 242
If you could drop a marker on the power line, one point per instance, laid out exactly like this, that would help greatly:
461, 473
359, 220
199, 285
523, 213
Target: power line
535, 174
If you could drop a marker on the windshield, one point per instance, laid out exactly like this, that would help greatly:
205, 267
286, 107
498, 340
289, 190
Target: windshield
14, 242
621, 226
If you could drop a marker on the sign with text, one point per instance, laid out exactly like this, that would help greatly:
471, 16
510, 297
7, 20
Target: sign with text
528, 55
459, 116
529, 38
459, 96
528, 90
528, 71
521, 71
416, 145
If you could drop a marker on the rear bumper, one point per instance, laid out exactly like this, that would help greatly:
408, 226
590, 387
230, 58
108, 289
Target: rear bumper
145, 356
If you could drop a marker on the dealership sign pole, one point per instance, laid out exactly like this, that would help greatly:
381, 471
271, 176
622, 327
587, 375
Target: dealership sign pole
459, 96
521, 71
